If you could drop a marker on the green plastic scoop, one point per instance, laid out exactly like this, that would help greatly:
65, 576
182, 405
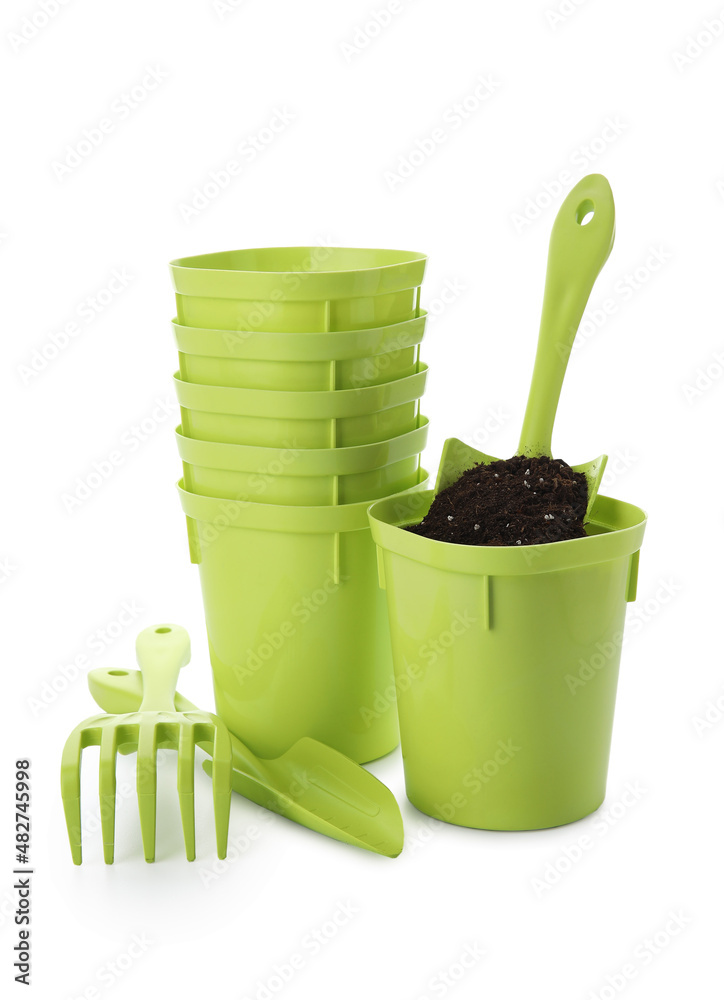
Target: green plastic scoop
311, 784
581, 240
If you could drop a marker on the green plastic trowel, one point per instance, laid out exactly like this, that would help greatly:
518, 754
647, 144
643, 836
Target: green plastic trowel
581, 241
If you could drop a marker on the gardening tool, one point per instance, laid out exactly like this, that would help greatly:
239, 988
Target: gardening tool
581, 240
161, 651
311, 784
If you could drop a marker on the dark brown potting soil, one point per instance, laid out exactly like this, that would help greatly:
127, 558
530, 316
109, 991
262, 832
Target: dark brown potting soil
521, 501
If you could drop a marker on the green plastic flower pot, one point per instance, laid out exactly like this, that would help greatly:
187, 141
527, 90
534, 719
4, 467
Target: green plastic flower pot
506, 665
297, 626
284, 419
294, 289
348, 359
302, 477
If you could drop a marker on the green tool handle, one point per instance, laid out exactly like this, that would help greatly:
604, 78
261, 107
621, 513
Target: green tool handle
120, 692
161, 651
576, 254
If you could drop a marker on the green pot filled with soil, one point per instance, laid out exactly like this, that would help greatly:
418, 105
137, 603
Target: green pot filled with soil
507, 589
506, 660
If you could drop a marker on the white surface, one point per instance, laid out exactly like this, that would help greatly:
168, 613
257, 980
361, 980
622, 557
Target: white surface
224, 72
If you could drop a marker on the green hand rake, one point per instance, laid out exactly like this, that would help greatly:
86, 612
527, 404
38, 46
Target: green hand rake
161, 651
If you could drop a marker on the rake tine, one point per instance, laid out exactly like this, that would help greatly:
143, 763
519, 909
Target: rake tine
146, 787
221, 784
186, 752
70, 790
107, 790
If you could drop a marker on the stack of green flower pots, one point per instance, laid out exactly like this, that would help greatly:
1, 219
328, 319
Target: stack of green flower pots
299, 384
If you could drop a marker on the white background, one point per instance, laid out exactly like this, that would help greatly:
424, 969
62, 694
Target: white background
67, 574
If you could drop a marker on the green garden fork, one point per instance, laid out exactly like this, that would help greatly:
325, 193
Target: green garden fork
161, 651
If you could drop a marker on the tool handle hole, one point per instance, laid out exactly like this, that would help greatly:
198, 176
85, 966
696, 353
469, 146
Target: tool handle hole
584, 212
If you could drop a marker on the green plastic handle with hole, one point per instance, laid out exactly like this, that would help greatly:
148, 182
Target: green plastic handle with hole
581, 240
161, 651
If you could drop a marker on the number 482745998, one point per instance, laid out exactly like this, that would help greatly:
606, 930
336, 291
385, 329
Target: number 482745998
22, 810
